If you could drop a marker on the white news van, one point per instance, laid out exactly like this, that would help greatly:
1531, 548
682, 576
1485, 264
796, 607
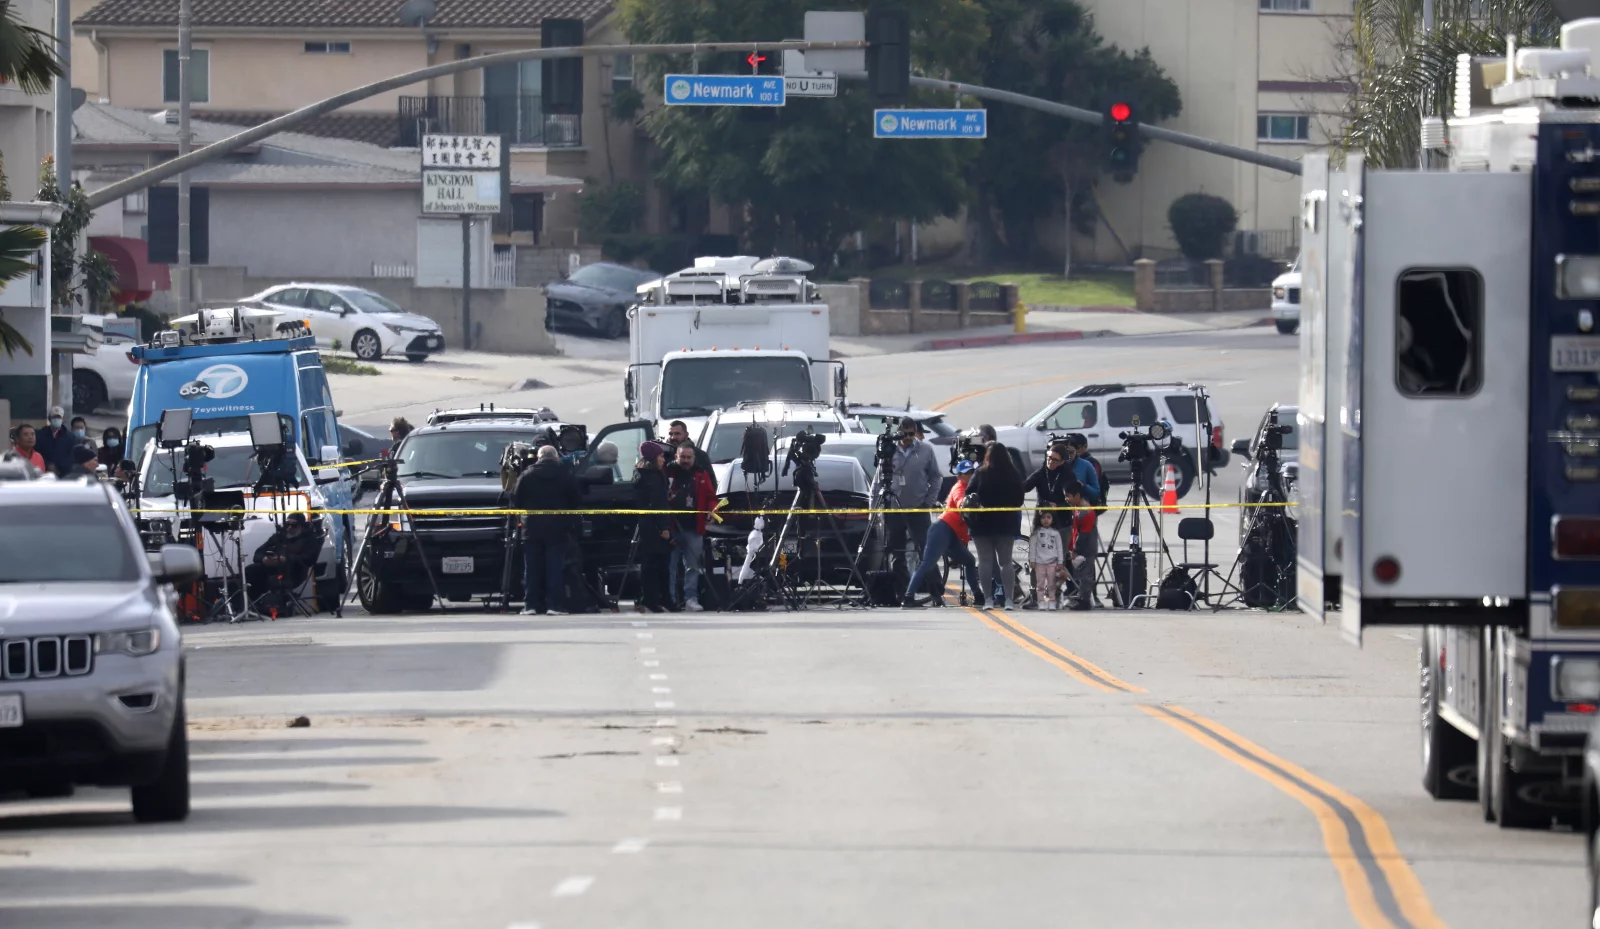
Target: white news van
725, 332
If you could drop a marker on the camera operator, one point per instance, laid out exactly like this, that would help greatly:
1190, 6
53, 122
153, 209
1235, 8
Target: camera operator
547, 485
655, 529
287, 556
691, 491
996, 486
987, 434
916, 485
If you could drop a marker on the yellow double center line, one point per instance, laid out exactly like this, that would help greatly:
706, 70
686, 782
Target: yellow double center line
1382, 890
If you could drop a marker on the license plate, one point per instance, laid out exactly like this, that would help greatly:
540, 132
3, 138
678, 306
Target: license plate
1575, 353
457, 564
10, 711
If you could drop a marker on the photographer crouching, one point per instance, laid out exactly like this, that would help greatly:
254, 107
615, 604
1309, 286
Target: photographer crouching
914, 485
285, 560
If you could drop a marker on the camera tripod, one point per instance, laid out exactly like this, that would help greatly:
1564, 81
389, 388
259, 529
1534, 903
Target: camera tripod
388, 492
1266, 561
1122, 590
228, 531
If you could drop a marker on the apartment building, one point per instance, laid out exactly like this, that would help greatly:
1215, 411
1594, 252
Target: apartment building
254, 61
1258, 74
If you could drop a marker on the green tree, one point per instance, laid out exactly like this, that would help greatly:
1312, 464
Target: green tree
27, 60
1032, 160
75, 215
1402, 73
809, 173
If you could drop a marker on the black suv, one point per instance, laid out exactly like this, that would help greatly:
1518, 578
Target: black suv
454, 463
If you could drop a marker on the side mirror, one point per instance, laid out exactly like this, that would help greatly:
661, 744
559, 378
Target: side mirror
1040, 427
841, 380
177, 564
1241, 446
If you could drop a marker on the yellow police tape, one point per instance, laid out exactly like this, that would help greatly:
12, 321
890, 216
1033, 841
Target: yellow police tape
346, 464
840, 511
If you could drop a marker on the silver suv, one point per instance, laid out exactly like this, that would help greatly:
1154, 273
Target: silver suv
91, 666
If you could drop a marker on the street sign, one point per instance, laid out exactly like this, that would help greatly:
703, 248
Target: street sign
930, 124
811, 86
475, 152
823, 26
460, 192
723, 90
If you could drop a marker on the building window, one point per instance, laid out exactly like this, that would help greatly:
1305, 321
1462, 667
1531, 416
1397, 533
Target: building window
527, 213
1286, 6
621, 72
134, 203
1283, 127
1438, 337
199, 75
327, 48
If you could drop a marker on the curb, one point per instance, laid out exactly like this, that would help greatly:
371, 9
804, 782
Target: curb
1017, 338
1055, 308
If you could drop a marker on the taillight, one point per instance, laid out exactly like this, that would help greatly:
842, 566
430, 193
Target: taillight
1386, 570
1216, 437
1576, 536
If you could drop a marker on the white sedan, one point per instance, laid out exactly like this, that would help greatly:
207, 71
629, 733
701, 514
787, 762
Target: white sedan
366, 323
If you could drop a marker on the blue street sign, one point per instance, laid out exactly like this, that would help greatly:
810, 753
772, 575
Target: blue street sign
723, 90
930, 124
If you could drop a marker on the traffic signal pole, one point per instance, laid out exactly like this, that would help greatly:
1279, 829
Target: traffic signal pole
1079, 114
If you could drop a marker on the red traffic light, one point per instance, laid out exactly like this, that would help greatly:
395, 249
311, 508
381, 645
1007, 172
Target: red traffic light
1121, 112
755, 60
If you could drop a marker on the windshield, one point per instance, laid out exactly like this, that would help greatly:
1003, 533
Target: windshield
727, 439
456, 454
232, 467
369, 302
71, 542
609, 277
699, 386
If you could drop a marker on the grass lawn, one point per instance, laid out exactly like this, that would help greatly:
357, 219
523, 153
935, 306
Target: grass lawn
1035, 287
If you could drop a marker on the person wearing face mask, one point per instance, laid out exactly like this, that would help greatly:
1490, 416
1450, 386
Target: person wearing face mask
56, 443
80, 432
110, 452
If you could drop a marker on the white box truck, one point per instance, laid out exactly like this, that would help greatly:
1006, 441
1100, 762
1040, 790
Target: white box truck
725, 332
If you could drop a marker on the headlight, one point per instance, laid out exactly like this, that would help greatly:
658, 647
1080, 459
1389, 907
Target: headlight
399, 330
1280, 293
1578, 277
136, 642
1575, 680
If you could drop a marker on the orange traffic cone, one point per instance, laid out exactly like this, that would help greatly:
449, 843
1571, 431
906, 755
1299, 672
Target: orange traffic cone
1169, 491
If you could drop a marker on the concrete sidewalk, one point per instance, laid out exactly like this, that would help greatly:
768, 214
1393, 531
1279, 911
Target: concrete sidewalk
1066, 324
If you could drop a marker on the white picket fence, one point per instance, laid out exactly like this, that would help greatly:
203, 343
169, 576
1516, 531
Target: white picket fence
503, 270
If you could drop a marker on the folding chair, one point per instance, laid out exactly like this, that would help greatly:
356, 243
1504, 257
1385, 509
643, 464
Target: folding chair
1197, 573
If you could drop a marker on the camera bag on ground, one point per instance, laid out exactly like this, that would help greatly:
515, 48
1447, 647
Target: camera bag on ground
1128, 578
1178, 591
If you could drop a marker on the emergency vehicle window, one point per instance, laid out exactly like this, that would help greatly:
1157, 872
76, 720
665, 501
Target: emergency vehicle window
1438, 337
1120, 411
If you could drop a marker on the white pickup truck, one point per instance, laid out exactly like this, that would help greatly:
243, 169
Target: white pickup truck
724, 332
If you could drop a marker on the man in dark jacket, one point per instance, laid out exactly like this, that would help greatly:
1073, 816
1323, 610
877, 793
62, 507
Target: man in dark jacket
677, 436
692, 492
285, 559
56, 442
83, 463
548, 485
655, 528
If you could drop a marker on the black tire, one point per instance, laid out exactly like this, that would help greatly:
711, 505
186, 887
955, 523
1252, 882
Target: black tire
616, 325
1155, 470
416, 358
1445, 749
1287, 327
367, 346
88, 392
166, 800
377, 597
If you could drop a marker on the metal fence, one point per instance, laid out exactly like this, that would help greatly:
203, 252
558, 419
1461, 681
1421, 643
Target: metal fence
404, 269
985, 296
521, 118
503, 268
1281, 244
938, 295
889, 293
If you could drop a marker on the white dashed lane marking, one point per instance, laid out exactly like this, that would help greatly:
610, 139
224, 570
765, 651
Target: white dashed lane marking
661, 690
629, 846
665, 704
644, 635
647, 650
664, 740
652, 663
666, 722
658, 677
573, 886
666, 761
669, 787
669, 813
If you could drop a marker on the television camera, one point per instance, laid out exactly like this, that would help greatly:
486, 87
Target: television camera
969, 446
804, 447
883, 452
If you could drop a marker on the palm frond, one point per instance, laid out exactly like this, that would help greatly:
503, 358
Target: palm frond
19, 246
27, 55
11, 340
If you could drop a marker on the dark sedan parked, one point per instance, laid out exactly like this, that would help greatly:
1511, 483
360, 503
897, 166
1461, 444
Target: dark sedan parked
595, 298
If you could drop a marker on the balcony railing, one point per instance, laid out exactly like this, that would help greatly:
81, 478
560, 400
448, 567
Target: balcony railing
521, 118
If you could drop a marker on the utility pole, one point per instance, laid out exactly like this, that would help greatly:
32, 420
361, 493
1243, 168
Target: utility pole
183, 287
466, 276
64, 98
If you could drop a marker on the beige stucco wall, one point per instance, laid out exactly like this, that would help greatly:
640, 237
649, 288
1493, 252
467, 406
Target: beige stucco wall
265, 74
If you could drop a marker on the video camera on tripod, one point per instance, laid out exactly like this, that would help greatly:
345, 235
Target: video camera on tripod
804, 447
969, 446
883, 453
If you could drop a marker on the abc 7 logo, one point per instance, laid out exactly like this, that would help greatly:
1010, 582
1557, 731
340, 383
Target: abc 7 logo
194, 389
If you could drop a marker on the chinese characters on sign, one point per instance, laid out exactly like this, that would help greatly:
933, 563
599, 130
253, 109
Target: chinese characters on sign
479, 152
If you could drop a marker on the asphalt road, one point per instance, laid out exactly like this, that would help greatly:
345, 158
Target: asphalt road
932, 768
